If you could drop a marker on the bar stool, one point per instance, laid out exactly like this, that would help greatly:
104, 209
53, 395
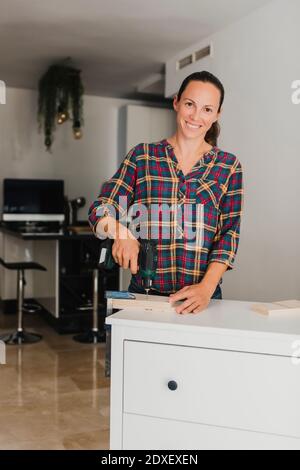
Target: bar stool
21, 336
102, 271
94, 335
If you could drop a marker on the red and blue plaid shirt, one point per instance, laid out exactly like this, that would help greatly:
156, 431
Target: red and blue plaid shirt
150, 176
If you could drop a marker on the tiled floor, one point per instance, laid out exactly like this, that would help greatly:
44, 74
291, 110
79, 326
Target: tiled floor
53, 394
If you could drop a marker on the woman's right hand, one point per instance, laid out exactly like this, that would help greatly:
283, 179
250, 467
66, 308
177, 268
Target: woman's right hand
125, 251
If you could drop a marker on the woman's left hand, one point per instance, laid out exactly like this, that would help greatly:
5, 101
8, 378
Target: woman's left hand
197, 298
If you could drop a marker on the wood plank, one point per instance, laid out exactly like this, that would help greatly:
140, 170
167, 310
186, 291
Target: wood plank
153, 302
281, 307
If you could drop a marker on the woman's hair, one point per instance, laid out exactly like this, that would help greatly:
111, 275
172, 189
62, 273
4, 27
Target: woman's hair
213, 133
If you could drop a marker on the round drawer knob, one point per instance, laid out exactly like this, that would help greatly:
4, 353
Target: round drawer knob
172, 385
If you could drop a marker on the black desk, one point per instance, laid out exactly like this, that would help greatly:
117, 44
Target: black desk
66, 291
51, 235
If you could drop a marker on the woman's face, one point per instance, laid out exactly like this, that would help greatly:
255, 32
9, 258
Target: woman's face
197, 109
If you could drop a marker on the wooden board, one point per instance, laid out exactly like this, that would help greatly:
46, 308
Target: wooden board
153, 302
280, 307
289, 303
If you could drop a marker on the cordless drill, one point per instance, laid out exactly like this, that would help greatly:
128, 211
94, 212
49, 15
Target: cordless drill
147, 260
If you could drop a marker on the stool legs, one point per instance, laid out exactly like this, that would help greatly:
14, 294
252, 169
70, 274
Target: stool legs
20, 336
93, 336
20, 294
95, 299
26, 306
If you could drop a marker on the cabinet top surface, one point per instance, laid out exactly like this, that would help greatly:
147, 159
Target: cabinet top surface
220, 317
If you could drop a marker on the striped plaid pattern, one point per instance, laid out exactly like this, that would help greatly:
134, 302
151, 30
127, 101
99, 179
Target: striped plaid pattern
212, 190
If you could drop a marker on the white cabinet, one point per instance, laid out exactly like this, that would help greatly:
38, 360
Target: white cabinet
207, 381
143, 432
209, 376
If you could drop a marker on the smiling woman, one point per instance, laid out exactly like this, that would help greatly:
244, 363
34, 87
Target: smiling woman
186, 170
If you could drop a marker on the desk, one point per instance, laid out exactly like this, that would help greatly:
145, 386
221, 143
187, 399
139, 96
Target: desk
65, 291
221, 379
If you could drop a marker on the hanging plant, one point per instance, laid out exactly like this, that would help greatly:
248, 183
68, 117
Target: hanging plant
60, 99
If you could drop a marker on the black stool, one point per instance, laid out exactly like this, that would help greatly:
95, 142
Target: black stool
20, 336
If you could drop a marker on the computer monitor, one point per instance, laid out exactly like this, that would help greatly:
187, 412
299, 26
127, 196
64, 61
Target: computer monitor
33, 200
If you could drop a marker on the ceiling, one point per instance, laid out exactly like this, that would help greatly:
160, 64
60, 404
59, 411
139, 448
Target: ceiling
118, 44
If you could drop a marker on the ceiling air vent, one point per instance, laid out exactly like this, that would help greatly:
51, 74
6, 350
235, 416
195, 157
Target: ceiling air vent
204, 52
185, 62
194, 57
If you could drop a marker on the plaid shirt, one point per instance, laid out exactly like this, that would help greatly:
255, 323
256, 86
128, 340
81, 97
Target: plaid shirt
150, 175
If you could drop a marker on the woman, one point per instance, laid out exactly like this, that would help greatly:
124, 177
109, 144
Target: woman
187, 170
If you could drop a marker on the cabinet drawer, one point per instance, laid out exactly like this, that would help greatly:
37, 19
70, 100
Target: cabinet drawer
222, 388
144, 432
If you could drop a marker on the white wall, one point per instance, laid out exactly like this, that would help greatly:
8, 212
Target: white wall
21, 156
21, 150
84, 164
257, 58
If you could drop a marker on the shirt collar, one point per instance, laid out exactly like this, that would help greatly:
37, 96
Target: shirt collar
206, 158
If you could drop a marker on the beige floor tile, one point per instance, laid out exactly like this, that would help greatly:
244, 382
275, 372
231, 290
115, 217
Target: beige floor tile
87, 381
89, 441
53, 394
48, 444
